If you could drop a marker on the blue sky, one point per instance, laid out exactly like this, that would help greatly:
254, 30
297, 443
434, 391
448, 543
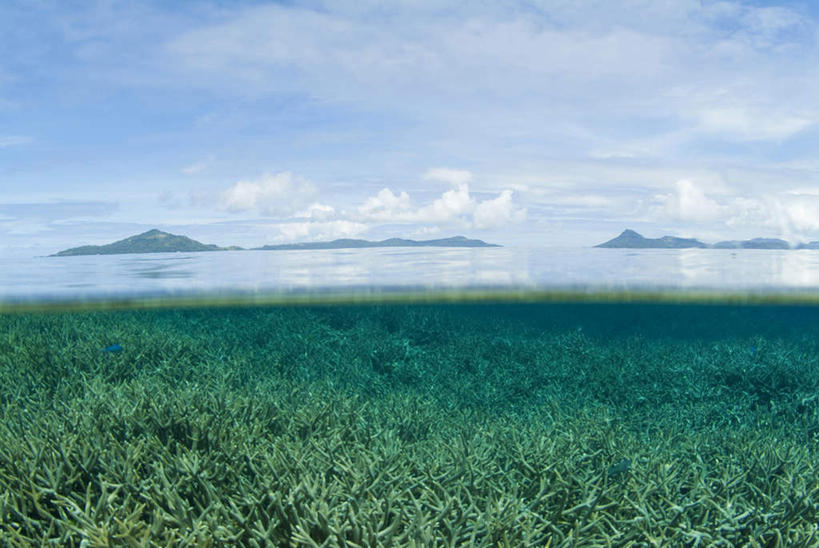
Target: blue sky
522, 123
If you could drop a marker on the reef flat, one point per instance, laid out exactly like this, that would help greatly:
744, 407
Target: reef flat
486, 425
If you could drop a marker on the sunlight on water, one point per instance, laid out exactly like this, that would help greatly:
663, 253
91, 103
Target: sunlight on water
282, 272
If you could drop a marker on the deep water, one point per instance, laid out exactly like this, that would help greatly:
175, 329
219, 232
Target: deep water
567, 424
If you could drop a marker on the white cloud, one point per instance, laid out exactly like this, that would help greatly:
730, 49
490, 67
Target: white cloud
453, 204
279, 194
317, 231
385, 206
316, 211
690, 203
804, 191
498, 212
794, 217
791, 215
803, 214
284, 196
749, 123
748, 214
451, 176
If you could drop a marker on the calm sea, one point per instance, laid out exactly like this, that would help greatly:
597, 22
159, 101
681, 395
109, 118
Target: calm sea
266, 272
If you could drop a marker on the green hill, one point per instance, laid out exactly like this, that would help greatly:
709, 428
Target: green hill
153, 241
631, 239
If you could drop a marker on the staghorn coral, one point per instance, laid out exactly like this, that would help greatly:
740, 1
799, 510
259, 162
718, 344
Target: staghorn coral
273, 427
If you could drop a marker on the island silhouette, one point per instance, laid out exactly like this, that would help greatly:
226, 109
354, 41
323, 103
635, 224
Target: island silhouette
632, 240
157, 241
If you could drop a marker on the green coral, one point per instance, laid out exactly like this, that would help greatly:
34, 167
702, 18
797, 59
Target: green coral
395, 426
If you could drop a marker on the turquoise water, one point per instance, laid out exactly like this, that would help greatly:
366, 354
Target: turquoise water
508, 422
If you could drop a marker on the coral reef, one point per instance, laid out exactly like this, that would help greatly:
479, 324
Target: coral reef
405, 426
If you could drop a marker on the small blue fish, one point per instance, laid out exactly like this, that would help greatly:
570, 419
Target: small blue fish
620, 468
753, 350
112, 348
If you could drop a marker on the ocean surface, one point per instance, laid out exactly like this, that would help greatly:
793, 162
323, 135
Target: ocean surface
452, 397
275, 272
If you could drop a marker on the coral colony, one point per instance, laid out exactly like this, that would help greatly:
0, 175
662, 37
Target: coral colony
408, 425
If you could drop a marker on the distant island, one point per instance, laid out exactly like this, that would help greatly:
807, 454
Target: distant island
456, 241
632, 240
157, 241
754, 243
153, 241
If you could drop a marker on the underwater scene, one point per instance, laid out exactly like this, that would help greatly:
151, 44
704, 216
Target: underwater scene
411, 424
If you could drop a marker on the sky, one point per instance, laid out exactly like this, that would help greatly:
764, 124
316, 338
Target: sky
524, 123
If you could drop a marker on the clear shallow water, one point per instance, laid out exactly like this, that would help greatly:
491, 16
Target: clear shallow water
542, 423
261, 272
539, 424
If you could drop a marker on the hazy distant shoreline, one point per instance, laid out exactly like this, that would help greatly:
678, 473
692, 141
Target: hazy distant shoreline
629, 239
157, 241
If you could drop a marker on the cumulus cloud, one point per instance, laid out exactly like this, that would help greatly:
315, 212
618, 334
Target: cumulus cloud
455, 206
690, 203
498, 212
279, 194
803, 214
391, 207
792, 215
316, 211
311, 230
292, 201
386, 206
